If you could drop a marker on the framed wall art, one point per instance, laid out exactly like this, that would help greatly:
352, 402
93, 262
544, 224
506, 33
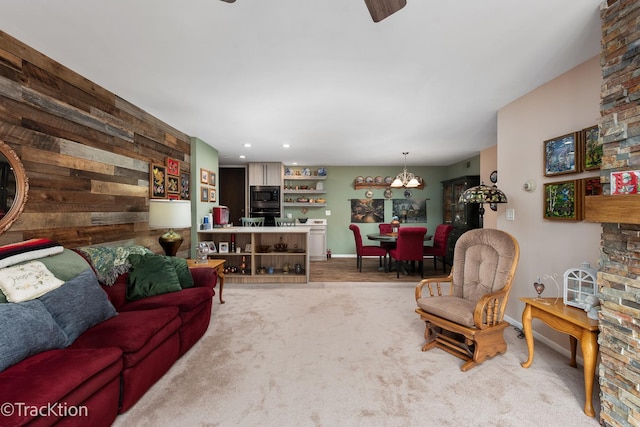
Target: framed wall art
212, 178
562, 155
625, 182
204, 194
158, 181
173, 184
563, 200
173, 166
204, 176
592, 186
591, 148
212, 194
185, 186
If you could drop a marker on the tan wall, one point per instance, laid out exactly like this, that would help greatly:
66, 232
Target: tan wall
85, 150
568, 103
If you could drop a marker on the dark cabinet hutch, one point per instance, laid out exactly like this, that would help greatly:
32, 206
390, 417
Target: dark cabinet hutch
463, 216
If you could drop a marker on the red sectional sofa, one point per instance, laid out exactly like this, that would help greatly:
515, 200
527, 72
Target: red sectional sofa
107, 368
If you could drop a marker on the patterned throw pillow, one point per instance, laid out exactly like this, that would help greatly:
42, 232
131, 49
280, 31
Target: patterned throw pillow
25, 282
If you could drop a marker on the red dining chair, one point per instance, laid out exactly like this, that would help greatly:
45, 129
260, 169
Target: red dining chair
409, 247
362, 250
439, 248
386, 229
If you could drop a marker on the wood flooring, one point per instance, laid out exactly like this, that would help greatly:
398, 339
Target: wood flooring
344, 270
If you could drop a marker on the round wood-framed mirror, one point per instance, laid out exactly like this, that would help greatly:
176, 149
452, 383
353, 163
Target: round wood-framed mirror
14, 186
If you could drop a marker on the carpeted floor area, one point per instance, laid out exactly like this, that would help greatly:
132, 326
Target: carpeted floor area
348, 354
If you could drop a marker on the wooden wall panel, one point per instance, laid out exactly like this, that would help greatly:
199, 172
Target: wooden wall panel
86, 152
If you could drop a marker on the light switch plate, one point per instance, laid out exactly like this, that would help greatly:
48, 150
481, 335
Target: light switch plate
510, 214
327, 212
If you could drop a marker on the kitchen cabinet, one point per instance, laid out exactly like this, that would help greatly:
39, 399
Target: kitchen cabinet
463, 215
265, 173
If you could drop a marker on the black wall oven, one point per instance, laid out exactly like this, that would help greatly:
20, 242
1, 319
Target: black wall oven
264, 201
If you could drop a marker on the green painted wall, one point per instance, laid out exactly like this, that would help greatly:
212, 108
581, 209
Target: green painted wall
340, 191
203, 156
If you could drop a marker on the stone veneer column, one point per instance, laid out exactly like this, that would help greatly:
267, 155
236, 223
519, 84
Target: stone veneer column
619, 274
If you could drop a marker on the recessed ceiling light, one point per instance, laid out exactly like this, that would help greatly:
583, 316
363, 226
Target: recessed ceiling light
285, 146
247, 145
242, 156
294, 163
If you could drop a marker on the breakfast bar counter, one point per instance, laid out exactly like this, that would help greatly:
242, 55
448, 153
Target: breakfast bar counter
261, 254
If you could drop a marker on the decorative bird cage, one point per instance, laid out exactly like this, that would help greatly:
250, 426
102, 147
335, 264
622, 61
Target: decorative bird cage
579, 283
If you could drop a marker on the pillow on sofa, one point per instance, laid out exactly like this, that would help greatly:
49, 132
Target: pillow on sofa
27, 281
182, 270
26, 329
79, 304
151, 275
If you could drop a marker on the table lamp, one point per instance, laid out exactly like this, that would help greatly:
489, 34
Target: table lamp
170, 214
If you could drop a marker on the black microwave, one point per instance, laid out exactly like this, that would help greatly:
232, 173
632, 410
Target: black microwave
264, 194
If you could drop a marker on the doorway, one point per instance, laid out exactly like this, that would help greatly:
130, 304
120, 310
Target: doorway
233, 189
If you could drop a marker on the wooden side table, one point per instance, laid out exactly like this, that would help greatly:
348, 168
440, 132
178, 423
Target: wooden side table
572, 321
216, 264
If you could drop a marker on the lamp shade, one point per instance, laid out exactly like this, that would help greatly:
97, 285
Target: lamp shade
483, 194
165, 213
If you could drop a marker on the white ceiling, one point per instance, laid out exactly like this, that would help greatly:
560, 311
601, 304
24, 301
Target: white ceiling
319, 75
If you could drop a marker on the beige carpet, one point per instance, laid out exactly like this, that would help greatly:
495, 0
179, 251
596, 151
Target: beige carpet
348, 354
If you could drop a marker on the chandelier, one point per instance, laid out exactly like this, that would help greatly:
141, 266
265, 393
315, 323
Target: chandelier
405, 179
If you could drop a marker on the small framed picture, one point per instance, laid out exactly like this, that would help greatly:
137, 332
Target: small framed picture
173, 184
185, 186
204, 194
247, 247
158, 180
562, 155
212, 247
212, 194
563, 200
591, 148
204, 176
173, 166
212, 178
223, 247
625, 182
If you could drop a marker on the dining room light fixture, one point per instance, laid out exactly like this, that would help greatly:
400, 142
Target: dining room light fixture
482, 194
405, 179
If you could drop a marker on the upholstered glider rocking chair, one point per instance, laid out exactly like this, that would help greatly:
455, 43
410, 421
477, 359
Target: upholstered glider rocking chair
468, 322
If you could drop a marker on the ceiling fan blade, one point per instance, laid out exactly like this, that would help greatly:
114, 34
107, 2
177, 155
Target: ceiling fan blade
380, 9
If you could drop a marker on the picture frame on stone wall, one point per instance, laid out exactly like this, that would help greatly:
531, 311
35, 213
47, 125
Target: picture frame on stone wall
563, 200
157, 181
173, 184
562, 155
591, 148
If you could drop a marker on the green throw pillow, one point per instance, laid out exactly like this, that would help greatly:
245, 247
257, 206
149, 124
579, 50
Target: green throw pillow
182, 269
151, 275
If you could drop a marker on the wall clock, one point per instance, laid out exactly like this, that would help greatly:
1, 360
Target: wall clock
368, 194
407, 194
493, 177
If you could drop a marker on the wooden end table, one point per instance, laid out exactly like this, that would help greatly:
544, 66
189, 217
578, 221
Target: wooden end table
216, 264
572, 321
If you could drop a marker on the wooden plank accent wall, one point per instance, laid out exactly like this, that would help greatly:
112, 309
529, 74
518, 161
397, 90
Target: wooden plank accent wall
86, 153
